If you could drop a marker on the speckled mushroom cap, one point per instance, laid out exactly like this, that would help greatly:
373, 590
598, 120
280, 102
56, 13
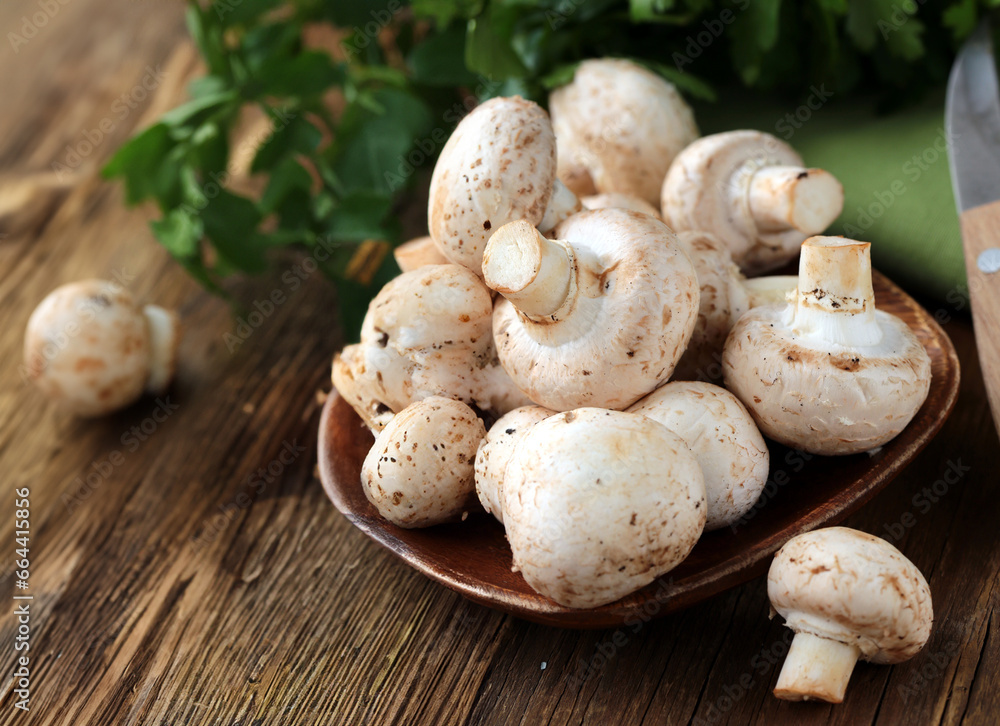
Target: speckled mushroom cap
628, 313
614, 200
499, 165
495, 451
420, 471
723, 300
751, 191
723, 438
427, 333
618, 126
850, 587
598, 504
92, 349
828, 374
418, 252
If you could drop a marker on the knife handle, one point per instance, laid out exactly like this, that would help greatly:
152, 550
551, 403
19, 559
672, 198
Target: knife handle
980, 232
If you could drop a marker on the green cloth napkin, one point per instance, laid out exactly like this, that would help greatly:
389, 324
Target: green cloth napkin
895, 173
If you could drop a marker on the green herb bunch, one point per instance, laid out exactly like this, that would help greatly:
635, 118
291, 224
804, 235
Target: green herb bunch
333, 173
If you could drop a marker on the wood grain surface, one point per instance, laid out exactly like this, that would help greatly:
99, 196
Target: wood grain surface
181, 586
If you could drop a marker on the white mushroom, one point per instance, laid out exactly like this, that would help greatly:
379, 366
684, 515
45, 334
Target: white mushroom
420, 471
92, 349
847, 595
498, 166
828, 374
418, 252
615, 200
495, 451
598, 316
427, 333
723, 438
751, 191
618, 126
598, 504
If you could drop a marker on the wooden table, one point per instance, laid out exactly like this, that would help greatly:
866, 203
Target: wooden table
159, 599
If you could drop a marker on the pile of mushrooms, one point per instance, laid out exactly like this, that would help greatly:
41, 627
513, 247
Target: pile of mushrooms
552, 350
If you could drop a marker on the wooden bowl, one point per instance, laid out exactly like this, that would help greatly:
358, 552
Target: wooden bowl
802, 493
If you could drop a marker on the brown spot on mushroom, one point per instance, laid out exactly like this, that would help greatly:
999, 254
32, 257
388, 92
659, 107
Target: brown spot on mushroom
85, 364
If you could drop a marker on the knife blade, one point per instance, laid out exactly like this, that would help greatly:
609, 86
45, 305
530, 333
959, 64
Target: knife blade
972, 119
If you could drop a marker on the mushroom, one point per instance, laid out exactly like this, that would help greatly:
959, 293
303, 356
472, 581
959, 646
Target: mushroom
846, 595
598, 504
418, 253
598, 316
618, 126
751, 191
614, 200
92, 349
723, 438
498, 166
828, 374
420, 471
495, 451
427, 333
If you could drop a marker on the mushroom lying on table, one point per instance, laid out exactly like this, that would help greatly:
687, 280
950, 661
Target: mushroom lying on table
499, 165
420, 471
828, 374
847, 595
723, 438
598, 316
751, 191
618, 126
89, 347
427, 333
598, 504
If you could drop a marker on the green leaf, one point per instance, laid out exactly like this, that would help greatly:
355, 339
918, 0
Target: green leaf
140, 161
686, 82
372, 15
665, 11
444, 11
210, 148
754, 32
360, 217
489, 52
242, 12
291, 135
288, 177
179, 232
230, 222
207, 36
440, 60
961, 18
561, 76
196, 110
307, 74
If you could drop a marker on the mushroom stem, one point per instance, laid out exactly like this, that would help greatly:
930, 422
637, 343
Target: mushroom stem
790, 197
816, 669
562, 204
771, 289
164, 332
835, 300
533, 272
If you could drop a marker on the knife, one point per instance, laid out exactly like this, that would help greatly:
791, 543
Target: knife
972, 114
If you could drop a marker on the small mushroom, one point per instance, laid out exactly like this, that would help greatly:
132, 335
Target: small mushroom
598, 504
427, 333
618, 126
418, 253
828, 374
498, 166
92, 349
614, 200
770, 289
495, 451
751, 191
598, 316
723, 438
846, 595
420, 471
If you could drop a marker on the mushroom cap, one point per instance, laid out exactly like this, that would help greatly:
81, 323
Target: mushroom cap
498, 166
822, 397
598, 504
615, 200
850, 587
418, 252
618, 126
723, 438
420, 471
723, 300
87, 345
707, 189
496, 449
427, 333
629, 324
